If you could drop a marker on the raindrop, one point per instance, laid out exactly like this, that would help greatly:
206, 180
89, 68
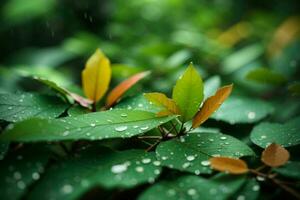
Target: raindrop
186, 165
260, 178
66, 133
197, 171
156, 163
157, 171
140, 105
223, 138
121, 128
205, 162
35, 176
255, 188
251, 115
139, 169
9, 108
17, 175
67, 189
123, 115
21, 185
146, 160
190, 158
93, 124
191, 192
241, 197
117, 169
144, 128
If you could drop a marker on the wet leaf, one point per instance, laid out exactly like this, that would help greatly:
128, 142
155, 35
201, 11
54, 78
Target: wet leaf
191, 153
20, 169
194, 187
275, 155
96, 76
249, 191
230, 165
162, 100
71, 178
66, 94
188, 93
21, 106
290, 169
286, 134
120, 89
91, 126
211, 105
240, 109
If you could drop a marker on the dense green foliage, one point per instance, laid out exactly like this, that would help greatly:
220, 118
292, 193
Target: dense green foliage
67, 132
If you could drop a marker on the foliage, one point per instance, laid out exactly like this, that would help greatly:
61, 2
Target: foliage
176, 99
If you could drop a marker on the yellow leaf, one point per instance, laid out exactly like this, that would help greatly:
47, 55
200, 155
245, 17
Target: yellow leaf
230, 165
275, 155
163, 101
211, 105
96, 76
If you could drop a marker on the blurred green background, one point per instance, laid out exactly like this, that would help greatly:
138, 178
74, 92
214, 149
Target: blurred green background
227, 40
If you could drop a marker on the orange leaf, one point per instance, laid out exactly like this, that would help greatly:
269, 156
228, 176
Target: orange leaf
120, 89
275, 155
211, 105
161, 99
230, 165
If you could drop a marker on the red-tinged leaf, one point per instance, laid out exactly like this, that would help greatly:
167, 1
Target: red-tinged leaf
120, 89
230, 165
211, 105
81, 100
275, 155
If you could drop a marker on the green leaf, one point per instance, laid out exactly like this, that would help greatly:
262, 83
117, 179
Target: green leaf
194, 187
18, 107
20, 169
239, 109
71, 178
265, 75
291, 170
192, 152
250, 190
92, 126
138, 102
188, 93
3, 149
286, 134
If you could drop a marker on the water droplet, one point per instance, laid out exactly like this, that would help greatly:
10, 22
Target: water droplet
17, 175
121, 128
144, 128
117, 169
191, 192
223, 138
197, 172
135, 126
186, 165
205, 162
241, 197
190, 158
35, 176
93, 124
211, 139
140, 105
66, 133
123, 115
156, 163
21, 185
9, 108
146, 160
260, 178
251, 115
139, 169
255, 188
67, 189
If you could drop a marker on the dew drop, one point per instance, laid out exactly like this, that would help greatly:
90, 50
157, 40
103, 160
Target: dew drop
223, 138
93, 124
255, 188
251, 115
121, 128
117, 169
139, 169
190, 158
146, 160
123, 115
205, 162
191, 192
144, 128
67, 189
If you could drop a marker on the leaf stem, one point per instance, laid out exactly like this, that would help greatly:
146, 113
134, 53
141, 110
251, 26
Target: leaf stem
94, 106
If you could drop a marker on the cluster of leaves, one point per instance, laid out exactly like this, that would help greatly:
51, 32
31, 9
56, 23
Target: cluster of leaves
69, 147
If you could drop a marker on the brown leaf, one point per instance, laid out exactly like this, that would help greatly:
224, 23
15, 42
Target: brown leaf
120, 89
211, 104
230, 165
275, 155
